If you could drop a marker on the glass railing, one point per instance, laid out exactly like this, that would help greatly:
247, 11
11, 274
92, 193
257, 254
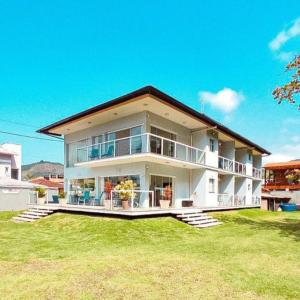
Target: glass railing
143, 143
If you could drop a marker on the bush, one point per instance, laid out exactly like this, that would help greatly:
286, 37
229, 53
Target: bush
41, 192
62, 195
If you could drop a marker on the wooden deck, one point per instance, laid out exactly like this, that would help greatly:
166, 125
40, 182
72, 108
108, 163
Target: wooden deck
135, 213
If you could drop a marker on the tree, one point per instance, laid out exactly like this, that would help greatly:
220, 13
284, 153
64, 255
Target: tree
289, 90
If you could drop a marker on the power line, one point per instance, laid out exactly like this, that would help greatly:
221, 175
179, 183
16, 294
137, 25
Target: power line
18, 123
30, 136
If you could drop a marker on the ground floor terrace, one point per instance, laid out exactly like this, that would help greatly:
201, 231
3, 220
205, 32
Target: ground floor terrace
157, 186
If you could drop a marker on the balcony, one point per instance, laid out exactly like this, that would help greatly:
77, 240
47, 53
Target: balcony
257, 173
137, 147
231, 166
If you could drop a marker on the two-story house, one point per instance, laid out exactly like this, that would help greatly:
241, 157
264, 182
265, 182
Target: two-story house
158, 142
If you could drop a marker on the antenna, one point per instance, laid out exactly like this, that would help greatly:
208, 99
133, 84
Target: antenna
201, 106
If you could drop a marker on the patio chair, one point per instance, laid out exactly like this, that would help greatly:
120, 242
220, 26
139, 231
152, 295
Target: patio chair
109, 152
55, 199
94, 153
86, 197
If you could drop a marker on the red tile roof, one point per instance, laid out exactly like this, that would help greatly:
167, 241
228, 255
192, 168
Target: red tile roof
283, 165
47, 183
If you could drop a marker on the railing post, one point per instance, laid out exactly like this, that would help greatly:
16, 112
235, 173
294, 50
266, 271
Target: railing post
130, 145
111, 200
147, 142
162, 147
131, 199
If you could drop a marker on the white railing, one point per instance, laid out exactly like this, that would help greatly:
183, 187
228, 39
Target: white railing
135, 199
225, 200
239, 168
33, 198
256, 200
257, 173
143, 143
230, 165
225, 164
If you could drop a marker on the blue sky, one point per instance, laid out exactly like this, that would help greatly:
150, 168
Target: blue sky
60, 57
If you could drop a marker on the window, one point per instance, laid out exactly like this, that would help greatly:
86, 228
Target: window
14, 173
249, 157
211, 185
211, 145
7, 171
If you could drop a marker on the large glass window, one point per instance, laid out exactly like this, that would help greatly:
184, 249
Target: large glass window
82, 191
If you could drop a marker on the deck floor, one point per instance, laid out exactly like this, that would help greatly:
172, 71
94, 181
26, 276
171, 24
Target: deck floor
137, 212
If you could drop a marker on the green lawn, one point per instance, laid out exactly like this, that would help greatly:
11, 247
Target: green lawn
253, 255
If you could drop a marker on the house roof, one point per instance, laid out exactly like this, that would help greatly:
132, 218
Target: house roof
150, 90
47, 183
283, 165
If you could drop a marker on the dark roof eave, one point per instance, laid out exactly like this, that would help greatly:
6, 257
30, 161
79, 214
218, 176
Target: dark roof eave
157, 93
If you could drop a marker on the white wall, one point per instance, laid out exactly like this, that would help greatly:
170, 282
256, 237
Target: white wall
14, 159
200, 187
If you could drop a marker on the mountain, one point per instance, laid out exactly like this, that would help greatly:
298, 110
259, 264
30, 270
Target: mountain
41, 168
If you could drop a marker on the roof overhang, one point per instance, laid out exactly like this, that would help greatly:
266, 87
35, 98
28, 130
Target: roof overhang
152, 100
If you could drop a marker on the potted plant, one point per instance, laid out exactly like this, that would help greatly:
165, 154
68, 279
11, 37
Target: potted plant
62, 197
107, 190
126, 192
41, 195
167, 196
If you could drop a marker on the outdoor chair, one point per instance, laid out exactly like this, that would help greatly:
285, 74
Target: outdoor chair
94, 154
109, 152
86, 197
55, 199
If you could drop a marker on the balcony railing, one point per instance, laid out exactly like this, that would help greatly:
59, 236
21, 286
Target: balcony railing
257, 172
143, 143
226, 164
231, 200
231, 166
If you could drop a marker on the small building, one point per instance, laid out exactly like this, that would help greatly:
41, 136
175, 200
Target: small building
271, 202
15, 194
281, 179
52, 187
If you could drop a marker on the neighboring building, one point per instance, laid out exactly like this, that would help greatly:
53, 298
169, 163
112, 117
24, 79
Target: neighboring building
54, 185
281, 179
159, 142
10, 161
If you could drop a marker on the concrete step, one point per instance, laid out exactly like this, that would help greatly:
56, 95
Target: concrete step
206, 221
42, 214
196, 218
46, 211
191, 215
208, 224
21, 219
25, 215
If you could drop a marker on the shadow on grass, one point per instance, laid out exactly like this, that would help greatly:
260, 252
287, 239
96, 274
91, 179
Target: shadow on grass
287, 227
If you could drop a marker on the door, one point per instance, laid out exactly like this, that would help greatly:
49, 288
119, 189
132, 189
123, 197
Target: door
159, 185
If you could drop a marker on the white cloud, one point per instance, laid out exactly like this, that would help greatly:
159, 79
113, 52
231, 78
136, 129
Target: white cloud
285, 35
226, 100
285, 153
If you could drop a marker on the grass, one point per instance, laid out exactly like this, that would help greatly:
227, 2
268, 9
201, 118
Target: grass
253, 255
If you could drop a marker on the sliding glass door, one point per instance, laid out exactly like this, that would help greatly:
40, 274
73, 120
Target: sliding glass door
158, 184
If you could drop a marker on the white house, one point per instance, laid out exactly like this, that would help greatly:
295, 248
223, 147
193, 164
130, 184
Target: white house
158, 142
10, 161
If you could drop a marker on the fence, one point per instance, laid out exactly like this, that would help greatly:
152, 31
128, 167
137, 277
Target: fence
129, 199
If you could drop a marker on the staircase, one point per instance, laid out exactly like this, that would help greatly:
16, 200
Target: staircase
33, 214
198, 219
